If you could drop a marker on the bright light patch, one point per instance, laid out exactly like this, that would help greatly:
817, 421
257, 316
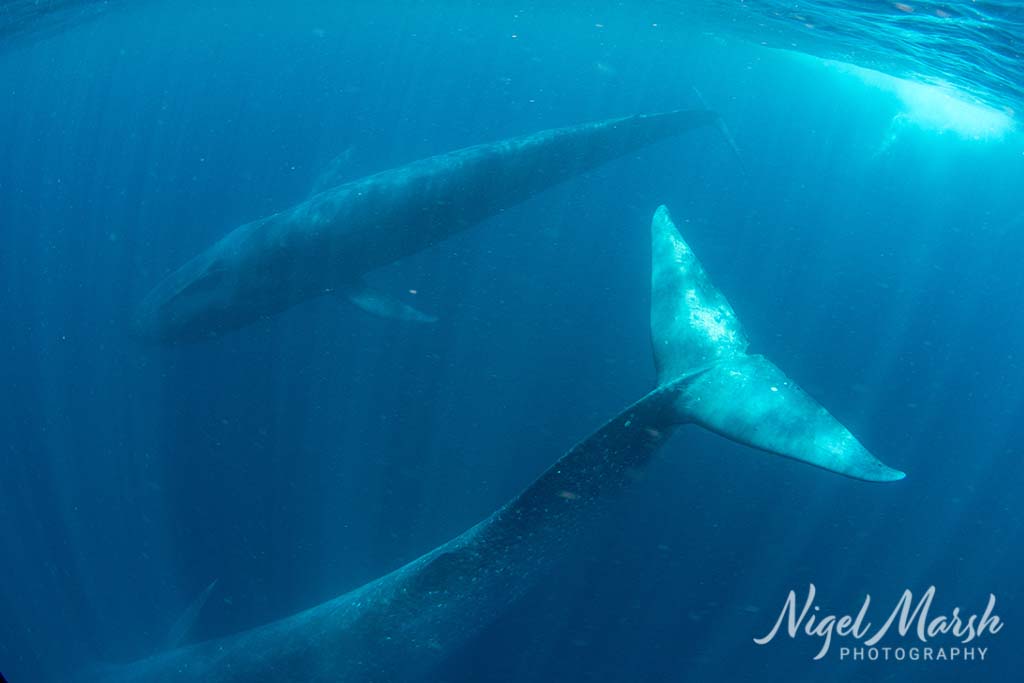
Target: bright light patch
939, 108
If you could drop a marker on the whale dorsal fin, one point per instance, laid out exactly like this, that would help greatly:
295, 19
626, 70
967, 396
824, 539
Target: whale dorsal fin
701, 353
692, 323
338, 171
181, 630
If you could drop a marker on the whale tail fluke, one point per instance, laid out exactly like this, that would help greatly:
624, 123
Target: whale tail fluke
699, 345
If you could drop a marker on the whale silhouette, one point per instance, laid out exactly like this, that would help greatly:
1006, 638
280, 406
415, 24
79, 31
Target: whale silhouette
399, 626
327, 243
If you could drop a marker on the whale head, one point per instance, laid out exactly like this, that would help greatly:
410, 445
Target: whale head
194, 302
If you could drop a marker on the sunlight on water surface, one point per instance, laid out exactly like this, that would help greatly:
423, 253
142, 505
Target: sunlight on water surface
939, 108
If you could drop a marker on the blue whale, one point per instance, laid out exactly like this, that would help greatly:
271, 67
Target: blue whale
397, 627
328, 242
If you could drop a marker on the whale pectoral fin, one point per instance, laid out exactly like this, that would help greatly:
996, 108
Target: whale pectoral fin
384, 305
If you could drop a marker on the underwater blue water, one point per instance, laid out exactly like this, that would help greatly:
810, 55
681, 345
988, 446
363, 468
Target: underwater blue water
873, 254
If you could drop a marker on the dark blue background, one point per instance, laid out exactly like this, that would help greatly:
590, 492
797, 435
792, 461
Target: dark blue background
303, 456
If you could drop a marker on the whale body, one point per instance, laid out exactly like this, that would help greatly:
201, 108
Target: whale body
328, 242
399, 626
